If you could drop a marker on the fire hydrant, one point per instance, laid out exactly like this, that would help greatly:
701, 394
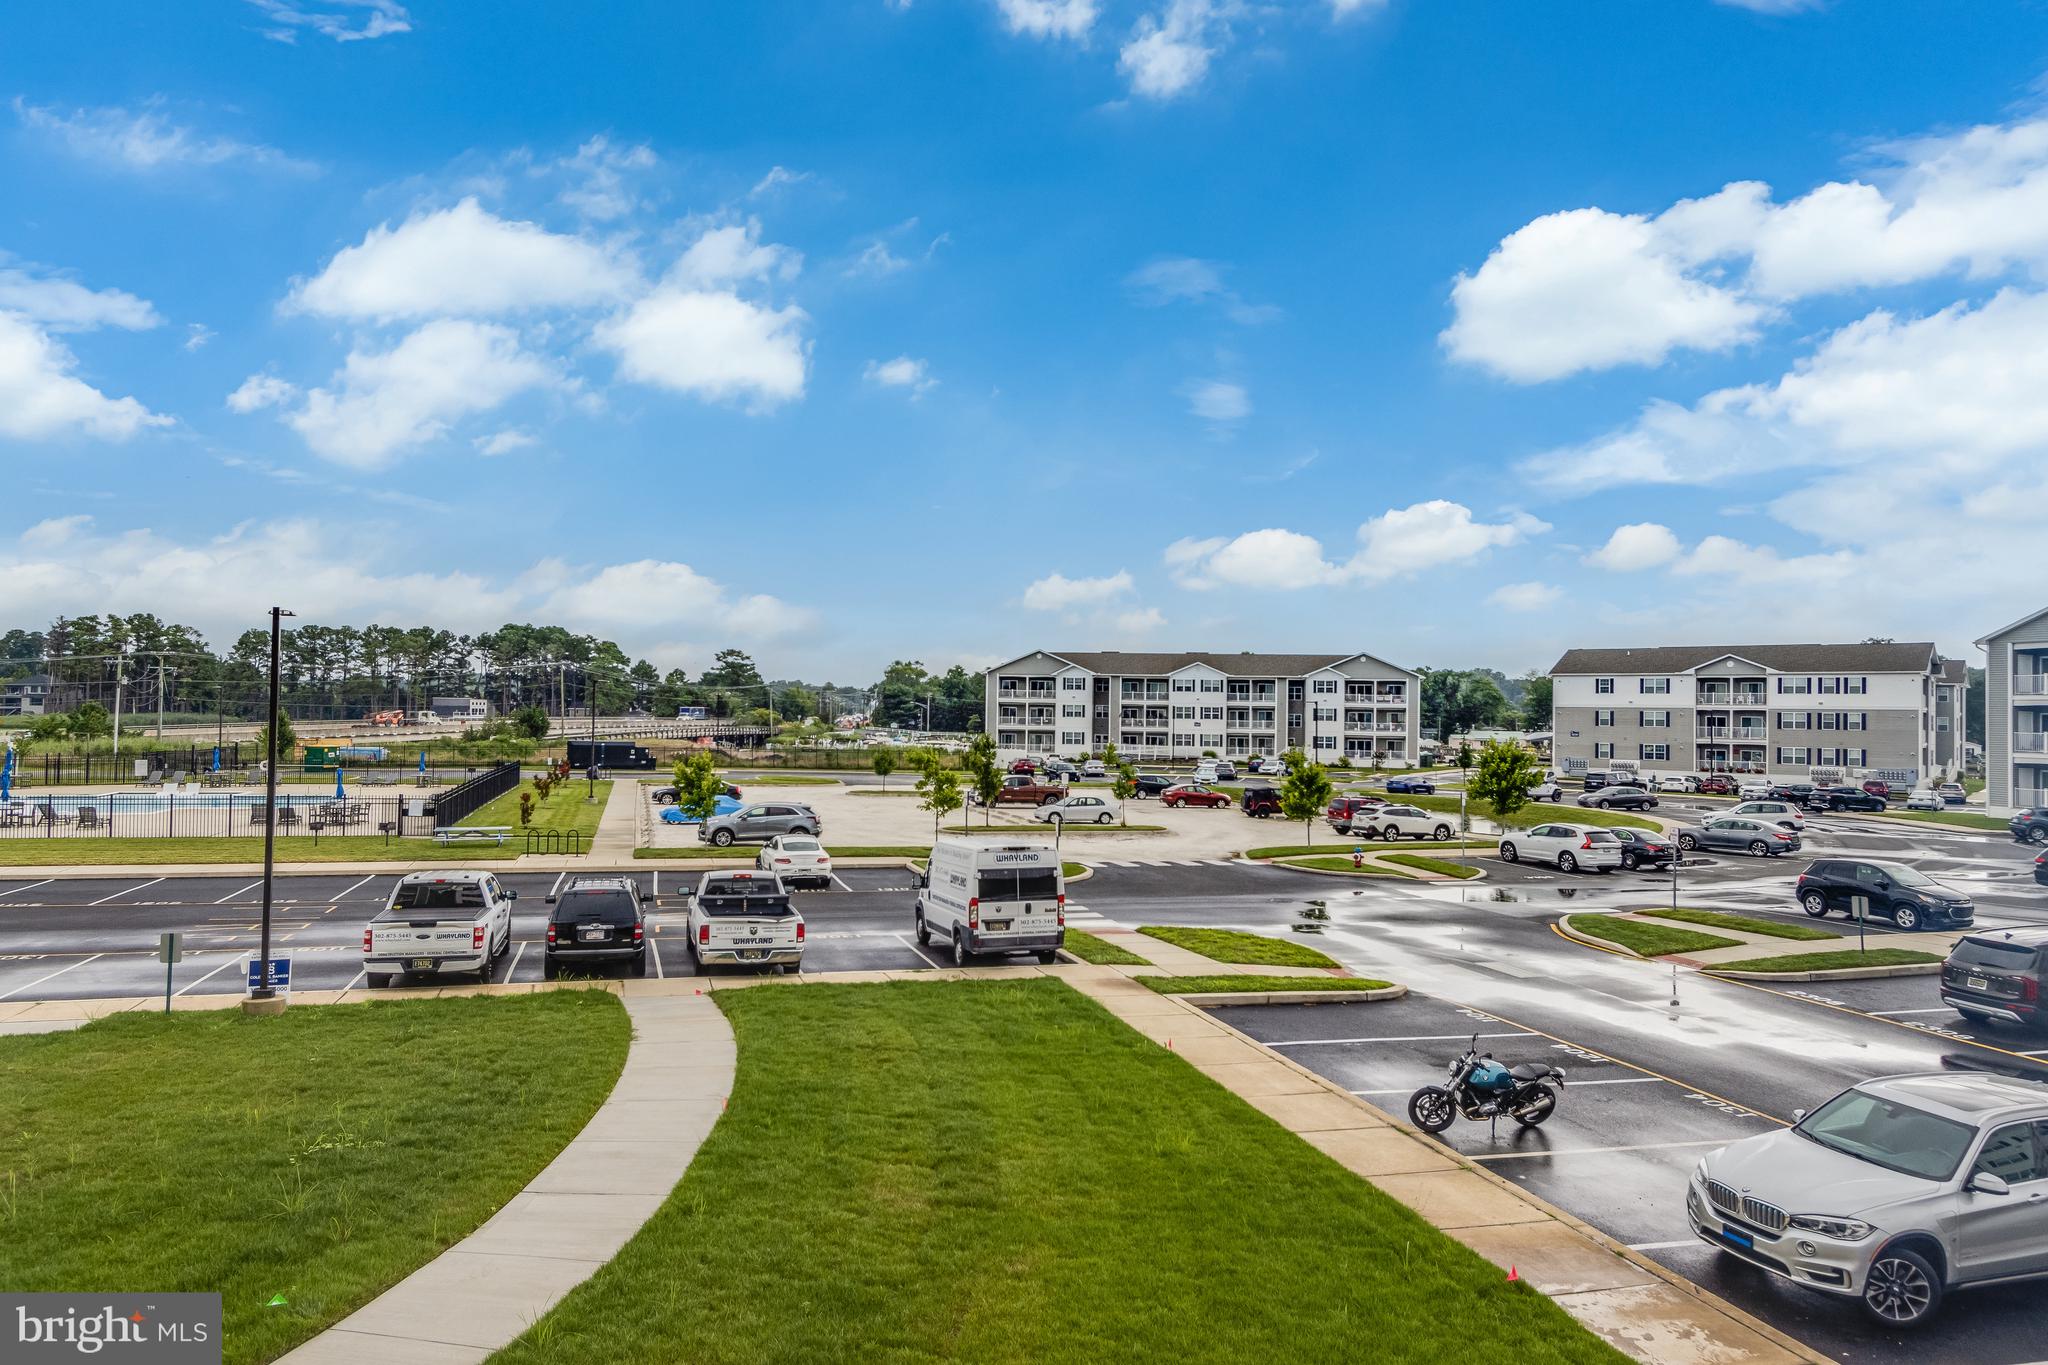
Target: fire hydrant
1358, 857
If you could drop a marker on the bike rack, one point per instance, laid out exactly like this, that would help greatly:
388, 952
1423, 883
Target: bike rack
554, 841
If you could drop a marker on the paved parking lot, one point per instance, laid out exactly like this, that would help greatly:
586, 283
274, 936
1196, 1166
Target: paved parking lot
73, 939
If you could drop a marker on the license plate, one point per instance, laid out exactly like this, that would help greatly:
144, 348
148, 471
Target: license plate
423, 964
1976, 983
592, 933
1741, 1239
998, 924
752, 953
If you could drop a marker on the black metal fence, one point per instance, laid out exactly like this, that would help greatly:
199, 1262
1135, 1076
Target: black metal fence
216, 815
463, 801
195, 761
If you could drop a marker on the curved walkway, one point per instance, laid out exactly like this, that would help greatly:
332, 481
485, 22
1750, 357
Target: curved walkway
488, 1288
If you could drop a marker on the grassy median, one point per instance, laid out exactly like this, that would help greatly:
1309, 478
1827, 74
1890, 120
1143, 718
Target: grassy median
1744, 924
1046, 1186
1340, 864
1247, 985
1443, 867
1540, 812
1648, 940
566, 807
1101, 952
320, 1156
1828, 962
1231, 945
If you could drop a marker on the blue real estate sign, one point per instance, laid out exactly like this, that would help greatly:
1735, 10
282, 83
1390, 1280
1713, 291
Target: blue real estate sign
280, 972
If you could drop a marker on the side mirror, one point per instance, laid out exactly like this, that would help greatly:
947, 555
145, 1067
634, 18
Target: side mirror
514, 895
1883, 883
546, 900
1983, 1182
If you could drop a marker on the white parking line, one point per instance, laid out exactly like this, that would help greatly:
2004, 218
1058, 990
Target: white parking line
654, 951
514, 966
1574, 1085
360, 973
1886, 1014
126, 889
1662, 1246
914, 948
841, 885
59, 972
30, 886
233, 958
1404, 1038
344, 895
232, 894
1591, 1151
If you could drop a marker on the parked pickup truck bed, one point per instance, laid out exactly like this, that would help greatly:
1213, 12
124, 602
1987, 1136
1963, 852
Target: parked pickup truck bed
1022, 791
745, 919
438, 924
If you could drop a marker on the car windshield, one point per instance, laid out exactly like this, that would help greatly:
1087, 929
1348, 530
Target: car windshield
1907, 876
1895, 1136
596, 907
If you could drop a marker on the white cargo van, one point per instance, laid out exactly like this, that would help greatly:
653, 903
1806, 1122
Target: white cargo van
1002, 898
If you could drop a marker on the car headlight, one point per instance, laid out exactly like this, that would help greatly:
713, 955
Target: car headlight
1699, 1172
1841, 1229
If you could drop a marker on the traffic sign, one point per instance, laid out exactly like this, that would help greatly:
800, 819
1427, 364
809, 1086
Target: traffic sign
170, 948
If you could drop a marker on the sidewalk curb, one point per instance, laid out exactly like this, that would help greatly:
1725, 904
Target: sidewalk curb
1222, 999
1799, 1350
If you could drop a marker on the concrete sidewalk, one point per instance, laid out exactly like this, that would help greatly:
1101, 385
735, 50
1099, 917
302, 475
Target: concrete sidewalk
488, 1288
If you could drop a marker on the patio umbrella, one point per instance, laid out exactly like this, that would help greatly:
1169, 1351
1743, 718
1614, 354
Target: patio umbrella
423, 763
216, 758
338, 792
7, 774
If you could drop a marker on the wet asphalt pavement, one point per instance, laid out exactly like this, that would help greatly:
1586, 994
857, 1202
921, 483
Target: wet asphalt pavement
1652, 1086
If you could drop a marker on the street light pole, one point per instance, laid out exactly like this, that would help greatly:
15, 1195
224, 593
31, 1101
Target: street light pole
263, 1000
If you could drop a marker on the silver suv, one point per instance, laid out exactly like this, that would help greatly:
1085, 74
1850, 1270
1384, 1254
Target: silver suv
1893, 1192
757, 824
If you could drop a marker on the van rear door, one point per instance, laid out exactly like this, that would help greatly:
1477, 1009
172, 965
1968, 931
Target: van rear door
1019, 903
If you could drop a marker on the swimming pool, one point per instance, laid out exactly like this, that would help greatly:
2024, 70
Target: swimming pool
146, 803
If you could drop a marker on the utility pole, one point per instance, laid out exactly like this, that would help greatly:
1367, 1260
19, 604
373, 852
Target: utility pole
263, 1000
120, 676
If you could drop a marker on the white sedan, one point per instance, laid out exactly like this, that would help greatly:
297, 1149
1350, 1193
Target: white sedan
798, 859
1925, 800
1082, 808
1675, 783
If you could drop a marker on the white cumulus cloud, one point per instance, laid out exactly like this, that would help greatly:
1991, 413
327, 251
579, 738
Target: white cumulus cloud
463, 260
64, 305
40, 396
1216, 400
903, 372
1525, 596
712, 345
733, 254
261, 391
1399, 543
1048, 18
1641, 545
345, 21
1057, 592
1168, 53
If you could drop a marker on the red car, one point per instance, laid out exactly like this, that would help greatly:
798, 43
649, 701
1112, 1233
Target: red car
1024, 765
1717, 784
1191, 794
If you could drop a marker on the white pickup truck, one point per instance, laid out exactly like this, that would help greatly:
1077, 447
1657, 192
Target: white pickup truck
745, 919
437, 924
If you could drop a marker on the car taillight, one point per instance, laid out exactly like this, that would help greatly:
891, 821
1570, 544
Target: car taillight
1784, 834
551, 933
2030, 989
639, 932
1586, 842
476, 937
799, 931
782, 862
1063, 900
704, 935
1063, 912
974, 912
366, 940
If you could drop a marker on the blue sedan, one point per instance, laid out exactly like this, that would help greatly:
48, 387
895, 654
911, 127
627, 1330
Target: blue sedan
1417, 786
676, 815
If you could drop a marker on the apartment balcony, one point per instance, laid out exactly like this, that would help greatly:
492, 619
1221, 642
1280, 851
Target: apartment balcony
1733, 734
1741, 696
2030, 689
2030, 747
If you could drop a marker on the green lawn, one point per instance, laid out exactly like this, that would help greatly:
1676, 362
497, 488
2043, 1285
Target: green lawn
1650, 940
1537, 812
749, 850
321, 1156
564, 808
1961, 819
293, 848
780, 780
879, 791
1234, 985
1769, 928
1229, 945
1822, 962
1047, 1186
1071, 831
1336, 864
1442, 866
1089, 948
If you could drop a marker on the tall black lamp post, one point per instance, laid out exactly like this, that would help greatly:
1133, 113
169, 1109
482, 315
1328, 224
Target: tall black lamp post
263, 999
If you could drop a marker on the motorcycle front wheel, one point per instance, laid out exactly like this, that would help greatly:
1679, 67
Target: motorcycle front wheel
1431, 1109
1540, 1107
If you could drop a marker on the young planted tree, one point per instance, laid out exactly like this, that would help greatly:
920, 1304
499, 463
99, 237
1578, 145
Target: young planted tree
1505, 774
884, 764
1305, 795
1125, 786
984, 774
698, 785
940, 787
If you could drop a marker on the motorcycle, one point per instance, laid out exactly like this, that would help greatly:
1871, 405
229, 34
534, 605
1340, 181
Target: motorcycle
1481, 1088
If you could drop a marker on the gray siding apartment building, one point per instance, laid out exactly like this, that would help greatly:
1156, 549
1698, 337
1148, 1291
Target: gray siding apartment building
2016, 714
1160, 705
1810, 712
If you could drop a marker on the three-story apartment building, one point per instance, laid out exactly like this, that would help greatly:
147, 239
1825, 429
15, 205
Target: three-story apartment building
1153, 705
2016, 714
1812, 712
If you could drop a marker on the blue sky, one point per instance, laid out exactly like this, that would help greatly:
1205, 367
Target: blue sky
949, 328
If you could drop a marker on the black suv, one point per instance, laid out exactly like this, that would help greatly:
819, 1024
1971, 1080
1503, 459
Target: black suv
597, 921
1997, 976
1152, 784
1260, 801
1903, 895
1844, 798
2030, 826
1798, 793
2041, 870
